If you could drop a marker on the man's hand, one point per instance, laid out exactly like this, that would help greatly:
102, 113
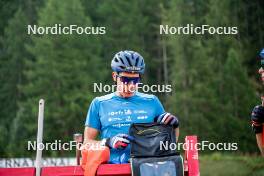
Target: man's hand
119, 141
168, 119
257, 118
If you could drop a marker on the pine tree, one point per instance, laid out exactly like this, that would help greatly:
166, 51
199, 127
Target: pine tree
134, 25
232, 85
62, 72
12, 65
125, 28
238, 100
208, 94
192, 99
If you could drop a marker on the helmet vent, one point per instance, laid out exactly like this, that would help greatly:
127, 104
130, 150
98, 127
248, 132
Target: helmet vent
136, 61
132, 55
128, 61
142, 62
122, 60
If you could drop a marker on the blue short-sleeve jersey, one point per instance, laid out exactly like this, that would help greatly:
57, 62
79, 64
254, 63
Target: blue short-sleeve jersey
112, 114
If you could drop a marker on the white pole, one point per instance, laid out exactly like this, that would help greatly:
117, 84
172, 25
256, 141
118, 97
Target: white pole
78, 139
39, 137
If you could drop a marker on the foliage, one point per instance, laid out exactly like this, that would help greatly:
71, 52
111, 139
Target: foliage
214, 77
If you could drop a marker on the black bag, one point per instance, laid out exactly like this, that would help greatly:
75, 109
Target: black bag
148, 158
148, 138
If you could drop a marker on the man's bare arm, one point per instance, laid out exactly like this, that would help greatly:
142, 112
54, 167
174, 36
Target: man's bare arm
259, 142
177, 131
90, 135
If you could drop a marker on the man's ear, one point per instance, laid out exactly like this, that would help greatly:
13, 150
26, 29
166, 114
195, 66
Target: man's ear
114, 76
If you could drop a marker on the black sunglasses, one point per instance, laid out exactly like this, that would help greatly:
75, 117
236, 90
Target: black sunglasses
127, 80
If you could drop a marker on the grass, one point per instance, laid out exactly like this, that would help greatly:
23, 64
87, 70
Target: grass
234, 165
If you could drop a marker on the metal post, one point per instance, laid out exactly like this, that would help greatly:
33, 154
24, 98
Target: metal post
39, 137
78, 138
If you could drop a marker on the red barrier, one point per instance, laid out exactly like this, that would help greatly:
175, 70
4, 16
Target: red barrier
63, 170
191, 156
114, 169
27, 171
103, 170
191, 166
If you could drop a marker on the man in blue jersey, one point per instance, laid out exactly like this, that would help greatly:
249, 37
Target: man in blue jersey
111, 115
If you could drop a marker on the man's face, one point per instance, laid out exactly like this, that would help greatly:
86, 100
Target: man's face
126, 83
261, 72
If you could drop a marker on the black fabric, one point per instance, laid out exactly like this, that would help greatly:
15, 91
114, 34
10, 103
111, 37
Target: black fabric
147, 138
147, 157
257, 129
157, 166
257, 114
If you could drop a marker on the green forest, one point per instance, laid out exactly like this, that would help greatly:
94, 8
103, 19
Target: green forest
214, 78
